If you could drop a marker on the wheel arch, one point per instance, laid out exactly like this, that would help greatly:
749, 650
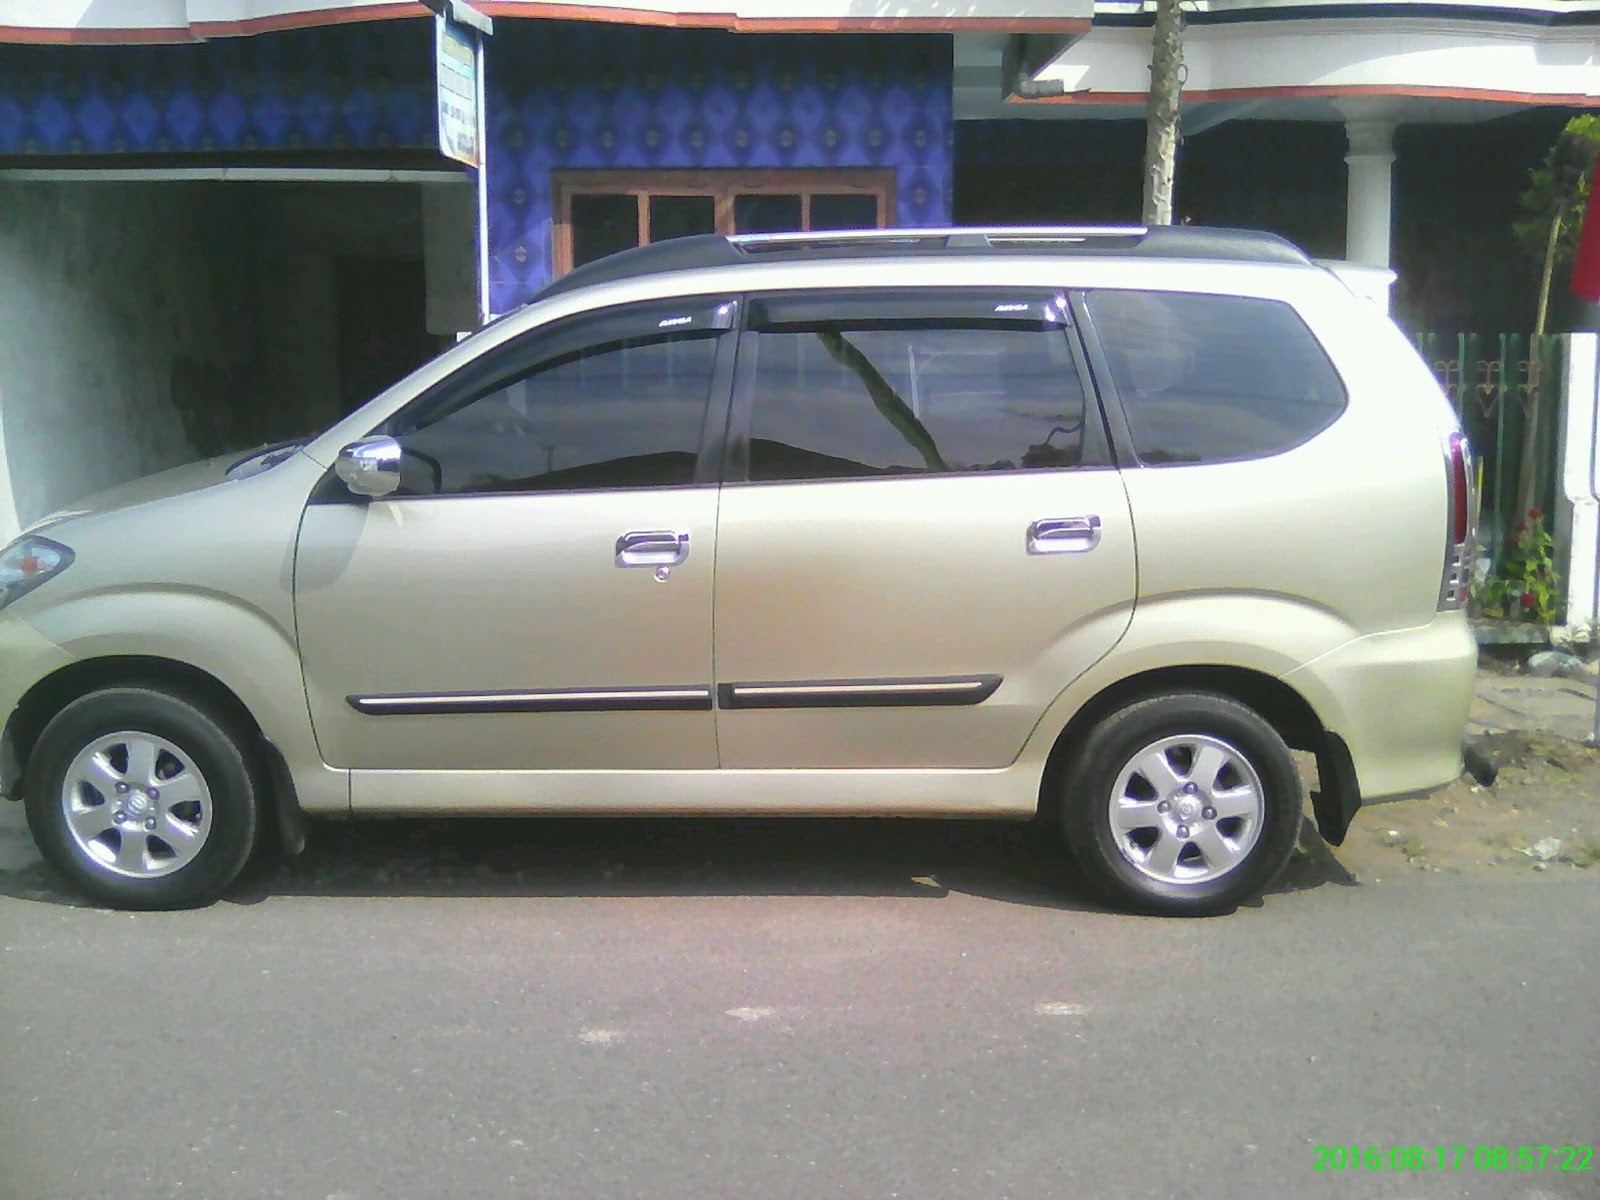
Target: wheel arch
40, 704
1277, 703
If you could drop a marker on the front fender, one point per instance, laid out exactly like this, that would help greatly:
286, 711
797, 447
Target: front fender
243, 648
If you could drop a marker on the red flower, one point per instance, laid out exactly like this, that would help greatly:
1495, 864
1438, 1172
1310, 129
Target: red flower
1535, 513
1529, 600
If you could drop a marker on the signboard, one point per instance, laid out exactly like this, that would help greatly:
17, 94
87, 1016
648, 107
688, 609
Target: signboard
457, 67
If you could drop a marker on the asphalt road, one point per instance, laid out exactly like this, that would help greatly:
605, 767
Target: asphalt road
768, 1010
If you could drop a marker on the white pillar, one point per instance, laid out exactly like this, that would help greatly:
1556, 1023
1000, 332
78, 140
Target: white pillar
1577, 523
449, 257
9, 525
1369, 200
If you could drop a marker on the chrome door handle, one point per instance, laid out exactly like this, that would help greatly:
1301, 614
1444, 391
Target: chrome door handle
1064, 535
652, 548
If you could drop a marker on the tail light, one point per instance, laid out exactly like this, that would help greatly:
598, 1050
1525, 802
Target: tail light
1460, 524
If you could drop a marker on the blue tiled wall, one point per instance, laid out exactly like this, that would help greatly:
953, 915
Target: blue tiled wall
346, 87
561, 95
606, 96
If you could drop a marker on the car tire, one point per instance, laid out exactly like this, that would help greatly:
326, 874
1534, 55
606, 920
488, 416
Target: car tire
1183, 804
143, 799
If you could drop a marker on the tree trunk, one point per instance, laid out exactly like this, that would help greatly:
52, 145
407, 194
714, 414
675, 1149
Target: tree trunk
1161, 113
1556, 221
1528, 469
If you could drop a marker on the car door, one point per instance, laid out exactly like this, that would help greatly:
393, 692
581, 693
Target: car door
537, 595
922, 539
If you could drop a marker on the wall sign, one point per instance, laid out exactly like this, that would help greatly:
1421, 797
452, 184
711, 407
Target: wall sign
458, 62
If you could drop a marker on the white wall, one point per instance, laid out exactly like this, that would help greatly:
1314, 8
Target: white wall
113, 310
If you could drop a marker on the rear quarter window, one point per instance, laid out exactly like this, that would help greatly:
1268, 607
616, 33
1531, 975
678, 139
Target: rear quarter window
1210, 379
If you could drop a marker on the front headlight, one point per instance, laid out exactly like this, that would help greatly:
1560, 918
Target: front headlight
27, 563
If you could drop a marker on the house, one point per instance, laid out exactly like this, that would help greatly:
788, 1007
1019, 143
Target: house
227, 221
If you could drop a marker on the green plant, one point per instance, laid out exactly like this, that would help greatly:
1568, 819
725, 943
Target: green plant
1554, 199
1527, 584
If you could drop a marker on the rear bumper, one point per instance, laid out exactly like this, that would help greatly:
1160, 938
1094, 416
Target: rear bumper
1399, 701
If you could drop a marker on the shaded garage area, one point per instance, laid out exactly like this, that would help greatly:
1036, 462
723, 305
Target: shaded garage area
147, 322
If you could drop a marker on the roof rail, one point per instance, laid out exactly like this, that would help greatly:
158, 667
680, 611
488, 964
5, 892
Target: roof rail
716, 250
955, 236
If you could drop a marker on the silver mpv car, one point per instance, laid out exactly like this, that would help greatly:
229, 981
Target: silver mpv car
1088, 524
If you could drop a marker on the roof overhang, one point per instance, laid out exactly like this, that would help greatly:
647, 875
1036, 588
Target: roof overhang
133, 21
1461, 63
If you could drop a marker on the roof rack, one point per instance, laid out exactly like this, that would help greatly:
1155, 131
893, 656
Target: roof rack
984, 236
716, 250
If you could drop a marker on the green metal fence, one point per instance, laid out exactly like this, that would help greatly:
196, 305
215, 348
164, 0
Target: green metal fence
1507, 401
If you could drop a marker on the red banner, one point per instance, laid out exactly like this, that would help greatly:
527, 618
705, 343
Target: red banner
1586, 270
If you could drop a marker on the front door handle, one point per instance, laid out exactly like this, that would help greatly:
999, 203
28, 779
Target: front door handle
1064, 535
652, 548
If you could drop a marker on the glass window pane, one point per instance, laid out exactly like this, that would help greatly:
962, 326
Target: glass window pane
766, 214
1214, 378
844, 211
681, 216
623, 415
603, 224
834, 403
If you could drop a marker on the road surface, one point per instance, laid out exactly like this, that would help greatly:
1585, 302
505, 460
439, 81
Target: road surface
770, 1009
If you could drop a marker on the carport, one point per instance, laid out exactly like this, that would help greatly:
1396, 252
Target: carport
209, 245
147, 317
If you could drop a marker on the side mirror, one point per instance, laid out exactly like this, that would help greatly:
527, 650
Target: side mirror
370, 467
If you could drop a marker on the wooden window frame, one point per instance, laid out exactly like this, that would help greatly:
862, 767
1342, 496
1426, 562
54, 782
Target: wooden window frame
719, 184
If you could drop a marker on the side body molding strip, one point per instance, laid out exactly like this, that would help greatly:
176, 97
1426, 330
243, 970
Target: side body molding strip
860, 693
942, 691
676, 699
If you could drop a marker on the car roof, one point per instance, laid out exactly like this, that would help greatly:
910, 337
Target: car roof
711, 250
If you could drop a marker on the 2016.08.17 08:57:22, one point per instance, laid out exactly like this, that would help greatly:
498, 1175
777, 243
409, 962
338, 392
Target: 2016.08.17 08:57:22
1453, 1158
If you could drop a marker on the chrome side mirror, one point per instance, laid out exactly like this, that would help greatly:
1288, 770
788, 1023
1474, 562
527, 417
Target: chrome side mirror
371, 466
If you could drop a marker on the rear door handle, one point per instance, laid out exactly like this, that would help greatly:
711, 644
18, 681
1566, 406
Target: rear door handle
1064, 535
652, 548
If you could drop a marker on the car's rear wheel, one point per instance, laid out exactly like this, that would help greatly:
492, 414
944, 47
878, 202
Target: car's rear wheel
1182, 804
142, 799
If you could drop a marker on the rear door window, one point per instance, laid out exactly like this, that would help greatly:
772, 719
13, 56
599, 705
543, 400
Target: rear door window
1208, 379
895, 385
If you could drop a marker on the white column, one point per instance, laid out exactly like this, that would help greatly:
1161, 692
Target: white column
9, 525
449, 257
1577, 524
1370, 196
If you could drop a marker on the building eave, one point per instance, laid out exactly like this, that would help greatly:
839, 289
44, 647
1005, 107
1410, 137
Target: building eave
170, 21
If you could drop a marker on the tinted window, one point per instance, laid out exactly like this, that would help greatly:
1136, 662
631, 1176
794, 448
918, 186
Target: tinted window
834, 402
627, 414
1214, 378
767, 213
844, 211
603, 224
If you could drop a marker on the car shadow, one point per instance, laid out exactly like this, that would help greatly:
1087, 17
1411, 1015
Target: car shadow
675, 857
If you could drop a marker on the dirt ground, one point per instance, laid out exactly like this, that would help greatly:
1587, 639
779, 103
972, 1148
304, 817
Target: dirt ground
1547, 792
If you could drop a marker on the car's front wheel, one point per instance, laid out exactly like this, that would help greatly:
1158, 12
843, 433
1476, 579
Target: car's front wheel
142, 799
1182, 804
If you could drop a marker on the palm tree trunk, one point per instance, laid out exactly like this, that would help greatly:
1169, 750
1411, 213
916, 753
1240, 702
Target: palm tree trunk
1528, 470
1161, 113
